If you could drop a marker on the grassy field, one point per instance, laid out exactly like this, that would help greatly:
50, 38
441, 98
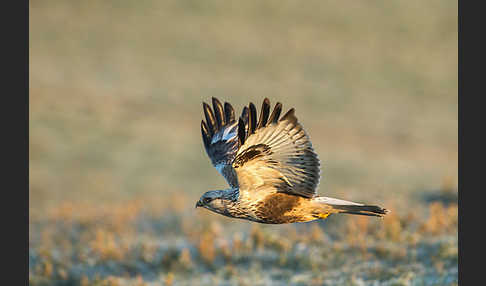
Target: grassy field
117, 162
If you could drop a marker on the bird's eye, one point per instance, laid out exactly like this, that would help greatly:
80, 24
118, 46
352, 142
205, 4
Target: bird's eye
207, 200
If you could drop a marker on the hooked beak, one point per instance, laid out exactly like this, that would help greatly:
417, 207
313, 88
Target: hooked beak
199, 204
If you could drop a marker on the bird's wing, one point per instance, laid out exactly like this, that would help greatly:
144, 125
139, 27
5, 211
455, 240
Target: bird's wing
220, 138
276, 152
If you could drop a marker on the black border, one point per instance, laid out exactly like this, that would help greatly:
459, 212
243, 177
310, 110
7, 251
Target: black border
15, 141
470, 121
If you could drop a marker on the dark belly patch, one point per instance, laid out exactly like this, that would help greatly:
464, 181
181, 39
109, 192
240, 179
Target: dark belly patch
279, 208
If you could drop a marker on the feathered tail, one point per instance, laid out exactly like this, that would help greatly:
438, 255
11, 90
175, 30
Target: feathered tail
347, 207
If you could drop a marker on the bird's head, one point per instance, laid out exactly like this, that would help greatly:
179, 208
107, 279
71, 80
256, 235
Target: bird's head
217, 201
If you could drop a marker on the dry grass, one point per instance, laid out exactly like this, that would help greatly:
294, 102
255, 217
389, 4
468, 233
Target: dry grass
82, 244
441, 218
116, 159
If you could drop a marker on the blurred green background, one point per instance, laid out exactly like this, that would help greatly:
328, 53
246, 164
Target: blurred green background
116, 89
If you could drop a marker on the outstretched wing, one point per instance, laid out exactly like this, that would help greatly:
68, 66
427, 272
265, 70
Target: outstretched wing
220, 138
276, 152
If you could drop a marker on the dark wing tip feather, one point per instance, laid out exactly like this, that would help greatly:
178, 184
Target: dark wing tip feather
205, 134
252, 119
218, 112
229, 112
244, 115
208, 113
262, 122
276, 113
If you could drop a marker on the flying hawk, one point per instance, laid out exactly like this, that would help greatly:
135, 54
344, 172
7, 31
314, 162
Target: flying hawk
270, 166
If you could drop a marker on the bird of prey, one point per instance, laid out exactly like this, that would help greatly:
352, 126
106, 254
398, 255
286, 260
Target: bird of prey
270, 166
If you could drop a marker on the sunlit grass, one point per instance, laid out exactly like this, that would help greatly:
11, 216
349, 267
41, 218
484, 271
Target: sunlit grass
73, 241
